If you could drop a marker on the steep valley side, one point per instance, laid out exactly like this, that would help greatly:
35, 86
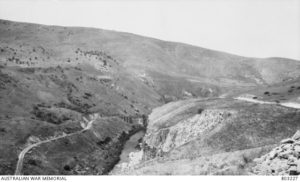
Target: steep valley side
91, 152
213, 136
51, 77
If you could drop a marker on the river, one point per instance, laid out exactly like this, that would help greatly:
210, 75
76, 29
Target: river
130, 147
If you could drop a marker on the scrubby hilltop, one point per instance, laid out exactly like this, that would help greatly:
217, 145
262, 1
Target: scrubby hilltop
52, 76
166, 67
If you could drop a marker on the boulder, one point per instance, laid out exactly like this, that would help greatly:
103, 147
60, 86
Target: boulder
296, 136
286, 146
296, 154
285, 154
293, 170
292, 159
297, 143
297, 148
272, 154
288, 140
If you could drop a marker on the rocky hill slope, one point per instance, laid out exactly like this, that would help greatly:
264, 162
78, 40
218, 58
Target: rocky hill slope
211, 136
282, 160
51, 77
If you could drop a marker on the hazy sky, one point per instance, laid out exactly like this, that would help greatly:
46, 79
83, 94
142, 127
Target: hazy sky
256, 28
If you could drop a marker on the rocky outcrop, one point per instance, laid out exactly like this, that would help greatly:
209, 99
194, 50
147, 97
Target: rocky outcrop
282, 160
166, 139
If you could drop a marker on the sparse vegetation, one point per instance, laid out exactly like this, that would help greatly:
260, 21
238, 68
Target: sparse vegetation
50, 82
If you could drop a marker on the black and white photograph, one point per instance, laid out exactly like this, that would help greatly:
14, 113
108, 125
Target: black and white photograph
149, 88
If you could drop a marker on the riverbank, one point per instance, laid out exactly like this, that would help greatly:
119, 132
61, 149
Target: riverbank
131, 153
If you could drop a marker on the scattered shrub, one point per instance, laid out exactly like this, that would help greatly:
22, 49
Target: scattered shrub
200, 110
88, 94
67, 168
104, 142
32, 162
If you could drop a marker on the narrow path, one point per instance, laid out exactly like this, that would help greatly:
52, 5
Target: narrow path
254, 100
291, 104
285, 104
21, 156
